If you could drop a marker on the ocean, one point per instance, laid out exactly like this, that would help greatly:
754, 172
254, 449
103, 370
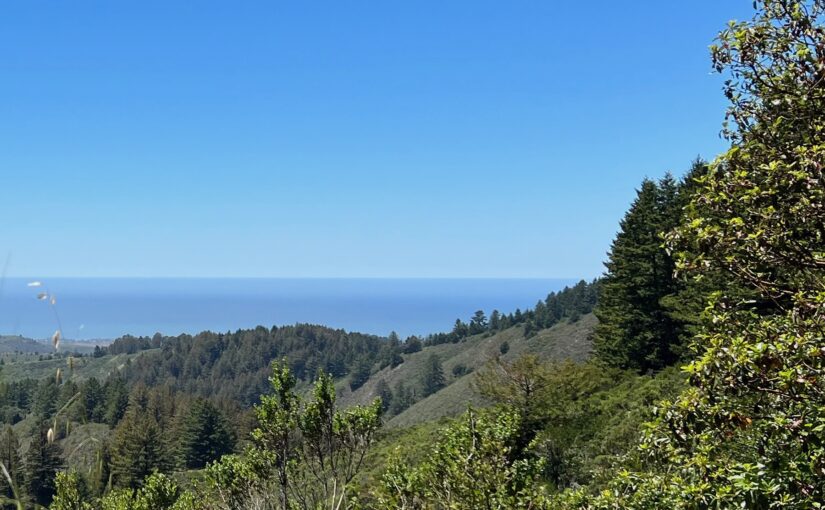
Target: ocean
106, 308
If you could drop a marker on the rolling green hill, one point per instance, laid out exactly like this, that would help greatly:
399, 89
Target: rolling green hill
565, 340
81, 368
21, 344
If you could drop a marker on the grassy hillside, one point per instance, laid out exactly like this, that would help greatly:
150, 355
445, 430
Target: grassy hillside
82, 367
21, 344
566, 340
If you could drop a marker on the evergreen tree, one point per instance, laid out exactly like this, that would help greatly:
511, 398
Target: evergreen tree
432, 378
10, 457
460, 331
382, 389
478, 323
117, 399
635, 331
495, 320
748, 432
413, 344
43, 461
45, 399
360, 373
402, 398
206, 435
137, 449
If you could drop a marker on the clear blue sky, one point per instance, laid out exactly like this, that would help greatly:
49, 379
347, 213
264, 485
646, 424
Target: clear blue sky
462, 138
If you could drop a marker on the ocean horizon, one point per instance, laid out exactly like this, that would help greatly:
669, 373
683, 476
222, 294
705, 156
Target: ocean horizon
107, 308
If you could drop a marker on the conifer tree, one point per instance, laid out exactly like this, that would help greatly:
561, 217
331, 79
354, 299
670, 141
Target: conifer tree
137, 450
634, 329
360, 373
749, 432
432, 378
43, 461
206, 435
10, 457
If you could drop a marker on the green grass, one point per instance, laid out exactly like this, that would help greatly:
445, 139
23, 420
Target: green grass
81, 368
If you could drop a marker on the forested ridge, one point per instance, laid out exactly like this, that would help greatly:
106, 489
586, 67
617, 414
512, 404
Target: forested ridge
701, 385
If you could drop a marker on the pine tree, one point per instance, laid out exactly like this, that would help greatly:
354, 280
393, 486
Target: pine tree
402, 398
137, 449
93, 401
43, 461
412, 344
206, 435
382, 389
360, 373
117, 399
432, 378
10, 457
478, 323
635, 331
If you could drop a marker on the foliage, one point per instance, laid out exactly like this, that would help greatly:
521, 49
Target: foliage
470, 466
206, 435
569, 303
43, 461
750, 430
635, 331
307, 452
138, 449
432, 378
158, 492
235, 366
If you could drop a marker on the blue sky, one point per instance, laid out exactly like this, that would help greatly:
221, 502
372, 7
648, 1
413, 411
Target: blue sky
405, 139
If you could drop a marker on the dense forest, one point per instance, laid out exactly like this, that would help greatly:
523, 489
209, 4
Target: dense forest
702, 386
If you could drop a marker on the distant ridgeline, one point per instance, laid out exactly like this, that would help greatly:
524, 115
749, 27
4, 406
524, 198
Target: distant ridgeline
569, 303
235, 366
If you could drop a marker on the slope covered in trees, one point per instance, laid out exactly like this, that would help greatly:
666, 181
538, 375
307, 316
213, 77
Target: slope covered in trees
722, 272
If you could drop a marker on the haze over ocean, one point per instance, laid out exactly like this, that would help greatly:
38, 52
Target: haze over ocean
106, 308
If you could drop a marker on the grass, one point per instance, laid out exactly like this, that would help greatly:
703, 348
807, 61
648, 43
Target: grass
566, 340
83, 367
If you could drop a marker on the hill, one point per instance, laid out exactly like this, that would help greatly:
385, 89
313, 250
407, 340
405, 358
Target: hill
565, 340
21, 344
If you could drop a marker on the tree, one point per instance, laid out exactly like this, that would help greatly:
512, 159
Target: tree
360, 373
495, 320
402, 398
43, 461
137, 449
117, 399
206, 435
478, 323
315, 450
634, 329
278, 415
382, 389
432, 377
460, 331
10, 459
470, 466
45, 399
748, 432
70, 493
93, 400
412, 344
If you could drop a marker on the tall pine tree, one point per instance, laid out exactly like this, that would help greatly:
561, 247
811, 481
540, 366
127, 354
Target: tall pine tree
206, 435
432, 378
635, 330
10, 457
43, 461
137, 450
